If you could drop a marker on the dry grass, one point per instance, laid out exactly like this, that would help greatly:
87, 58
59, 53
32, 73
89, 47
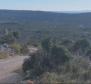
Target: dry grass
3, 55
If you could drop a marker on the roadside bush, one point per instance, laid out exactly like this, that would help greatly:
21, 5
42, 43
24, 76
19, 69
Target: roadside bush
41, 62
54, 63
76, 71
25, 50
3, 55
17, 47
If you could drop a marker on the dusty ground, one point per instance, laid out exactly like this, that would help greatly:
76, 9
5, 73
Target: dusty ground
7, 68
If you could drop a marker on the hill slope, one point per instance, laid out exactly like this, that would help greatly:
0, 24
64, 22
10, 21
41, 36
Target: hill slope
38, 24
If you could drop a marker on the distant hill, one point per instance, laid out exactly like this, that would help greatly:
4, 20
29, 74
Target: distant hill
41, 16
38, 24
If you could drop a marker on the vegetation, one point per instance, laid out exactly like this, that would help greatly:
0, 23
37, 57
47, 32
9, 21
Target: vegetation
81, 47
63, 40
9, 37
9, 44
16, 47
56, 63
37, 25
3, 55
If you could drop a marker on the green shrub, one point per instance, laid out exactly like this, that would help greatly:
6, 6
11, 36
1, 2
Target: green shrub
56, 64
76, 71
81, 46
42, 62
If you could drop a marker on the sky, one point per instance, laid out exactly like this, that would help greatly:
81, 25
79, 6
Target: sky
46, 5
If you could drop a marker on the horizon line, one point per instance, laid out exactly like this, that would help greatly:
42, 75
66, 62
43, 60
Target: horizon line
68, 11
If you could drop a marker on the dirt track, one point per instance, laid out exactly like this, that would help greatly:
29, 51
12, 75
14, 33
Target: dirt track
7, 66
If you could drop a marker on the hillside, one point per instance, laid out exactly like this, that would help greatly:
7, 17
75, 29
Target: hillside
41, 16
39, 24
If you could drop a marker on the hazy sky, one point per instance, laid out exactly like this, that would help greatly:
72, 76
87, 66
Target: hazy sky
46, 5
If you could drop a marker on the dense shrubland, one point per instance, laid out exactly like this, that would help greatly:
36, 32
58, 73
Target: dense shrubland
60, 62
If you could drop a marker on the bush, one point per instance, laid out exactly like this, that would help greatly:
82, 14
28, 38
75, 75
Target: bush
17, 47
59, 55
25, 50
76, 71
58, 65
46, 44
81, 46
3, 55
42, 62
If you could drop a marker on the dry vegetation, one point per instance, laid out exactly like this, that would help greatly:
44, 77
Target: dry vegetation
3, 55
56, 63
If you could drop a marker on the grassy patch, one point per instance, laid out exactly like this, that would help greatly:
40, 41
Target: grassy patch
3, 55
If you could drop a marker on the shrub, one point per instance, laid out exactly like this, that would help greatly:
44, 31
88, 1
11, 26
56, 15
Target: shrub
17, 47
25, 50
81, 46
76, 71
58, 65
3, 55
42, 62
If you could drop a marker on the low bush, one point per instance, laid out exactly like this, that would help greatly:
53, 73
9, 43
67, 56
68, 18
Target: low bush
3, 55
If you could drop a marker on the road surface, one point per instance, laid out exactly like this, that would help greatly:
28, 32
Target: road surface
7, 68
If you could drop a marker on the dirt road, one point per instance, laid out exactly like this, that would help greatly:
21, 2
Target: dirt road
7, 66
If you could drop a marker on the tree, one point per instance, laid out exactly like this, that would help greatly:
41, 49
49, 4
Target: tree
9, 37
15, 34
67, 43
59, 55
81, 46
88, 53
46, 44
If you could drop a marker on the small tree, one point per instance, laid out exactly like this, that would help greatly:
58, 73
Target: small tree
24, 49
46, 43
59, 55
81, 46
67, 43
15, 34
9, 37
